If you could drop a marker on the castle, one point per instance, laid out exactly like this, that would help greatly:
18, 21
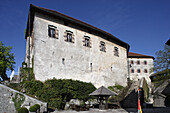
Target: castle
59, 46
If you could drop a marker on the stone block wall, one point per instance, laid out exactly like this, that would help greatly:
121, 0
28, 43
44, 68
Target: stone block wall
7, 96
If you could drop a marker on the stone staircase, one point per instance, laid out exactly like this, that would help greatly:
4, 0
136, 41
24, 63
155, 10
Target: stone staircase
7, 104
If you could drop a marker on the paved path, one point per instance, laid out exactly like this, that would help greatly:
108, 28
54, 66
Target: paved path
129, 110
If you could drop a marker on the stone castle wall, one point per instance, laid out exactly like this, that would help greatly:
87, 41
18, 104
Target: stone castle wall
80, 62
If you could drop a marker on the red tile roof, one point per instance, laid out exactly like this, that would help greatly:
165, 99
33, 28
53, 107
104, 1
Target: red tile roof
136, 55
53, 13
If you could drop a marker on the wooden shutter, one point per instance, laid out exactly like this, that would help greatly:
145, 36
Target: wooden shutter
90, 43
83, 41
56, 33
73, 38
104, 47
65, 36
100, 46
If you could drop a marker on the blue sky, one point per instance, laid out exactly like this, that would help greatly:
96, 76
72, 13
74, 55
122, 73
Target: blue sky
143, 24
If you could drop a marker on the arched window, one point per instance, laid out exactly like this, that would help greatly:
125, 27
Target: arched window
145, 62
138, 71
132, 71
138, 62
145, 71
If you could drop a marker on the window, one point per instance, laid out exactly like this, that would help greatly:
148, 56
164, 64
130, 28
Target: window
138, 71
145, 71
86, 41
145, 62
132, 71
102, 46
91, 66
52, 31
116, 51
63, 60
138, 62
69, 36
131, 62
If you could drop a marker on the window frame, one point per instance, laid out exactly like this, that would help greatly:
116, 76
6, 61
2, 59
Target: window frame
138, 71
145, 62
145, 71
132, 71
86, 41
69, 37
138, 62
102, 46
52, 31
116, 51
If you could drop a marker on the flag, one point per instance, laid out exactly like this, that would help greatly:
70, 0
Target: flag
139, 106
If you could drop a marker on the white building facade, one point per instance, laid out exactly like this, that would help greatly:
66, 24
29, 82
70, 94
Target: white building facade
61, 47
140, 66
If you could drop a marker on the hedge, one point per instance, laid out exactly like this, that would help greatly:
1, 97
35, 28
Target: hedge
34, 108
23, 110
57, 92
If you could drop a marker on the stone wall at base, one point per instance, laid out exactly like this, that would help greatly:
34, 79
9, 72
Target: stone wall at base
7, 96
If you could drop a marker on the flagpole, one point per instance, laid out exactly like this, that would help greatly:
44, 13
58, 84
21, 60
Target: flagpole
139, 106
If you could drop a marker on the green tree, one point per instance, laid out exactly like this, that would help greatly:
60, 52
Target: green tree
6, 60
162, 61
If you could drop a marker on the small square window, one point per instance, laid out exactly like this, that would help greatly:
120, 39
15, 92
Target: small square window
131, 62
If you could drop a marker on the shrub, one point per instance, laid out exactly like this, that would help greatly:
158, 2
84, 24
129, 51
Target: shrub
57, 92
23, 110
34, 108
33, 86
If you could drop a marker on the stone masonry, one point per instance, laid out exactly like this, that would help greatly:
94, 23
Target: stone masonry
7, 104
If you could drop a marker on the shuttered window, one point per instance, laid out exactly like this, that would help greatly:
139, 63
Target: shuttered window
116, 51
69, 36
86, 41
52, 31
102, 46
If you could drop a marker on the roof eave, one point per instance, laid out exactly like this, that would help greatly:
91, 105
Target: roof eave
34, 9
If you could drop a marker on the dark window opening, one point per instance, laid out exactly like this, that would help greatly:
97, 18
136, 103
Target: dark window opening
138, 62
63, 60
91, 66
87, 42
145, 71
116, 51
102, 46
145, 62
69, 37
131, 62
132, 71
138, 70
51, 32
